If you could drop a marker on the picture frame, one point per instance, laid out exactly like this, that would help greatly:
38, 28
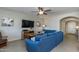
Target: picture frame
7, 21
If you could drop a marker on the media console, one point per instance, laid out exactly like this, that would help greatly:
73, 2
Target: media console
27, 34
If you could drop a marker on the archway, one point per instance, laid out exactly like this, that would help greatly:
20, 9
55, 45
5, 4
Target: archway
68, 24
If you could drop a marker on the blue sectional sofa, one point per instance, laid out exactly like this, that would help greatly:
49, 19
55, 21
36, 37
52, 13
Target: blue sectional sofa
44, 42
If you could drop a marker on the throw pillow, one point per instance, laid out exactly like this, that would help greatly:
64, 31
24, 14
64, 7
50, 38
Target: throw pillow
33, 38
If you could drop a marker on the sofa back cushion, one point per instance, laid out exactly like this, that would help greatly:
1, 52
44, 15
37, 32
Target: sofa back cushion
40, 36
49, 31
60, 35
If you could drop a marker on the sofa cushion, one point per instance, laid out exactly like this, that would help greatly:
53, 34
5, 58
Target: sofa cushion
49, 31
41, 36
48, 34
52, 33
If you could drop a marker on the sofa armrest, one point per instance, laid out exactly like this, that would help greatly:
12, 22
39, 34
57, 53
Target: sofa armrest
31, 45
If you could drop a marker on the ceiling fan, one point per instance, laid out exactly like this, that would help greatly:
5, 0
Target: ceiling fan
41, 11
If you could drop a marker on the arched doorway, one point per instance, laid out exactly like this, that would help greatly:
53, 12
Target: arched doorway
68, 24
71, 27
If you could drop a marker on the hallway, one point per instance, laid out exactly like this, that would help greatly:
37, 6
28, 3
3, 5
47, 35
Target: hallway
70, 44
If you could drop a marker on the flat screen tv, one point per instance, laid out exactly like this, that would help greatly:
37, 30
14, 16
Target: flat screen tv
27, 24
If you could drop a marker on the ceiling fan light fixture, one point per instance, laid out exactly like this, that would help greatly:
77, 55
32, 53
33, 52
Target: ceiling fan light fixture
41, 12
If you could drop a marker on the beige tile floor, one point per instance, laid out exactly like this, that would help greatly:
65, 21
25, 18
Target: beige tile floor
15, 46
69, 44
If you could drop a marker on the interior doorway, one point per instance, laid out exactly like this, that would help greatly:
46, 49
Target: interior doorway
68, 25
71, 27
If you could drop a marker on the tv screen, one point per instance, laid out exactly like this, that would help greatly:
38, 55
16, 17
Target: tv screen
27, 24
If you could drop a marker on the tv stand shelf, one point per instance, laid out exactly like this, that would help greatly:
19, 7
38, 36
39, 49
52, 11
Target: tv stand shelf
27, 34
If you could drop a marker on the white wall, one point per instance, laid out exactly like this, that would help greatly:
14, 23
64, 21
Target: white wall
14, 32
53, 21
71, 27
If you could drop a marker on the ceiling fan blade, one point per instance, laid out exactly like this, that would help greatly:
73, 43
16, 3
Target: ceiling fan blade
45, 13
40, 8
48, 10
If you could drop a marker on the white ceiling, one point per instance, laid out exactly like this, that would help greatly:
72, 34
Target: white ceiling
54, 9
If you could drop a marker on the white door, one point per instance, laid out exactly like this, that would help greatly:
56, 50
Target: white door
71, 27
